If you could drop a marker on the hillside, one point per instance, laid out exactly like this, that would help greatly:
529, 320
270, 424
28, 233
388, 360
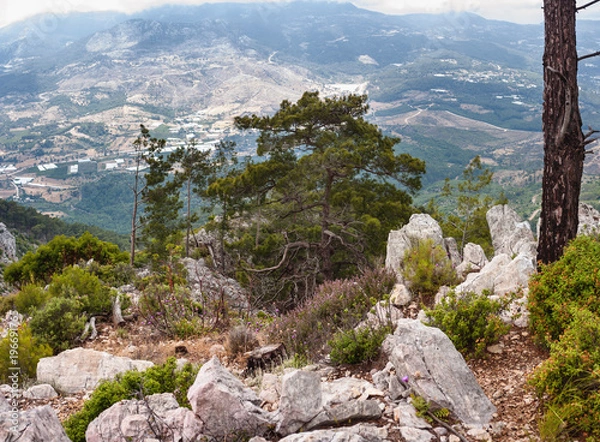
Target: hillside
451, 86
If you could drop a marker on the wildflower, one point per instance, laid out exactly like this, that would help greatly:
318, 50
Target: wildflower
405, 379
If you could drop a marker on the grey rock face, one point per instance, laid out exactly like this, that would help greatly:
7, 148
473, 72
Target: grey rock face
225, 405
41, 391
81, 369
589, 220
158, 416
301, 400
206, 282
8, 245
437, 371
474, 259
420, 226
36, 425
510, 235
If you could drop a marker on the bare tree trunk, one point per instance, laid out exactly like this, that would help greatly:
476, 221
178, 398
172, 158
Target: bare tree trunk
563, 138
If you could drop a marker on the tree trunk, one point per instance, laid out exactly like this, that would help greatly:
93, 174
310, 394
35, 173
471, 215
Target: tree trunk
563, 137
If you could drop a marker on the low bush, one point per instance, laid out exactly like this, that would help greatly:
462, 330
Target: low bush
569, 381
30, 298
471, 321
165, 378
357, 345
336, 305
170, 310
59, 323
426, 267
573, 280
21, 349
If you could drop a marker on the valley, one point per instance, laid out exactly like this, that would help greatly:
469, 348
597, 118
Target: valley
450, 86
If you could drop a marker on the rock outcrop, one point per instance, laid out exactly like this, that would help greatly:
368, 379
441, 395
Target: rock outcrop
81, 369
157, 417
225, 405
437, 371
510, 235
420, 226
37, 425
8, 245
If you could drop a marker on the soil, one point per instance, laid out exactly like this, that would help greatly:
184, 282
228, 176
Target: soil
502, 375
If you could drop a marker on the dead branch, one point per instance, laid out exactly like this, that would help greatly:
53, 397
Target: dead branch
579, 8
285, 252
594, 54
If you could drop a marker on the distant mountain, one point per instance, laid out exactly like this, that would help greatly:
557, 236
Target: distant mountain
451, 86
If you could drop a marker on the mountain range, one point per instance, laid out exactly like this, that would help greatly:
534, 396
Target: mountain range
74, 89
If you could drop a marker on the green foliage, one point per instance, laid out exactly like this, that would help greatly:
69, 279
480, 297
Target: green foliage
21, 349
336, 305
472, 321
59, 323
569, 381
42, 228
76, 283
573, 280
322, 202
61, 252
426, 267
467, 221
170, 310
165, 378
356, 346
30, 298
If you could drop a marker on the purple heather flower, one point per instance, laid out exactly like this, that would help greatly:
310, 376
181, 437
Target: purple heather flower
405, 379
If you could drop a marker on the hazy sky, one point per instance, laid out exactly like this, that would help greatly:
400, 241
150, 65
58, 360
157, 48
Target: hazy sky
519, 11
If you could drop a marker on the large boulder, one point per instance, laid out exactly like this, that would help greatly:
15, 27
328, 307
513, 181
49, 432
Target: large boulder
301, 400
474, 259
82, 369
437, 371
420, 227
225, 405
36, 425
510, 235
500, 276
156, 417
41, 391
307, 403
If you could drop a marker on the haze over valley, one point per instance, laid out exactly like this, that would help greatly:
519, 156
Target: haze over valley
450, 86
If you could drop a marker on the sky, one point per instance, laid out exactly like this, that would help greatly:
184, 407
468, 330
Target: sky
517, 11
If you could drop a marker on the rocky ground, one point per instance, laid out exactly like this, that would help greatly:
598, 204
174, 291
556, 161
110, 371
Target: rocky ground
502, 375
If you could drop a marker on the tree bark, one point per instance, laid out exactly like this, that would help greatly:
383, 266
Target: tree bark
563, 138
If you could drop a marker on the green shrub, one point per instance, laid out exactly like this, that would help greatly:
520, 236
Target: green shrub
569, 381
30, 298
78, 284
165, 378
472, 321
573, 280
426, 267
336, 305
59, 323
61, 252
357, 345
24, 352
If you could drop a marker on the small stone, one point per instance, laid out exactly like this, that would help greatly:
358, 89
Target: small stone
495, 349
479, 434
